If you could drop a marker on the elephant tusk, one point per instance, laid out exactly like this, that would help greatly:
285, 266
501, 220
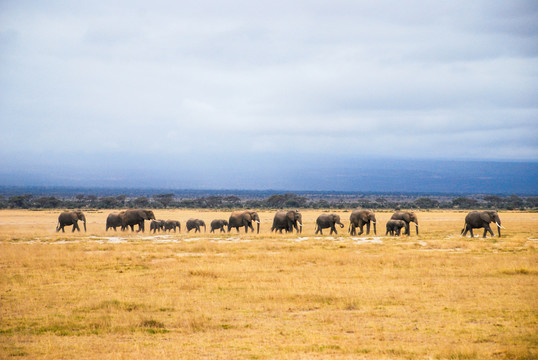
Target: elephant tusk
256, 221
300, 224
499, 225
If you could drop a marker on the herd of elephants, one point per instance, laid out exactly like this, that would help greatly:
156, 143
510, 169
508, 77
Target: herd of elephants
283, 220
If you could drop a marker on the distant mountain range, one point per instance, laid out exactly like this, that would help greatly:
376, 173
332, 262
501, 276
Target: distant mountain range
267, 174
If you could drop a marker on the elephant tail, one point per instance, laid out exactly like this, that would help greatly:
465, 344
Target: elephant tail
464, 227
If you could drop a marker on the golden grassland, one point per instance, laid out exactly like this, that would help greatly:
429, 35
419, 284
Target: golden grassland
125, 295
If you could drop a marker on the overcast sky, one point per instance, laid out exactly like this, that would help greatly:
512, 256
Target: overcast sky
237, 79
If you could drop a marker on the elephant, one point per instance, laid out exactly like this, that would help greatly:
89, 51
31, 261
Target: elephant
156, 225
328, 221
172, 224
134, 217
70, 218
244, 218
218, 224
408, 217
195, 224
360, 217
114, 220
476, 220
288, 220
394, 227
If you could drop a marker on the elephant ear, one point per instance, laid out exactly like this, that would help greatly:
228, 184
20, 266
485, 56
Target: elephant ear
144, 215
485, 217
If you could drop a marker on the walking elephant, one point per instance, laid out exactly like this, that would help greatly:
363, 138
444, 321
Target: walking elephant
394, 227
408, 217
244, 218
218, 224
482, 219
288, 220
156, 225
134, 217
172, 224
328, 221
358, 218
113, 220
70, 218
195, 224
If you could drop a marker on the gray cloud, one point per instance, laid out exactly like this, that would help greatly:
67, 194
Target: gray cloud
418, 79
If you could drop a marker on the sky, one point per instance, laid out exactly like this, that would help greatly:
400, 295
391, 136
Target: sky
107, 89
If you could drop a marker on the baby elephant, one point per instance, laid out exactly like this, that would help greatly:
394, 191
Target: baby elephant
172, 224
394, 227
156, 225
218, 224
195, 224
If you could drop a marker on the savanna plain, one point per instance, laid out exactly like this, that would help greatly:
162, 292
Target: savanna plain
123, 295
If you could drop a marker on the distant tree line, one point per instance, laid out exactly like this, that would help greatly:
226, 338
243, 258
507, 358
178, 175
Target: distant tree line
278, 201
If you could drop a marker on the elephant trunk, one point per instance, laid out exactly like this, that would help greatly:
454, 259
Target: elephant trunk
498, 227
300, 228
341, 225
84, 220
416, 226
375, 233
258, 227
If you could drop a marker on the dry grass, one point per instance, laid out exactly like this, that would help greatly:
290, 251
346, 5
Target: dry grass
123, 295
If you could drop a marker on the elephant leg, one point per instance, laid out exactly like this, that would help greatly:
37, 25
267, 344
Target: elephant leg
471, 231
361, 227
368, 228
